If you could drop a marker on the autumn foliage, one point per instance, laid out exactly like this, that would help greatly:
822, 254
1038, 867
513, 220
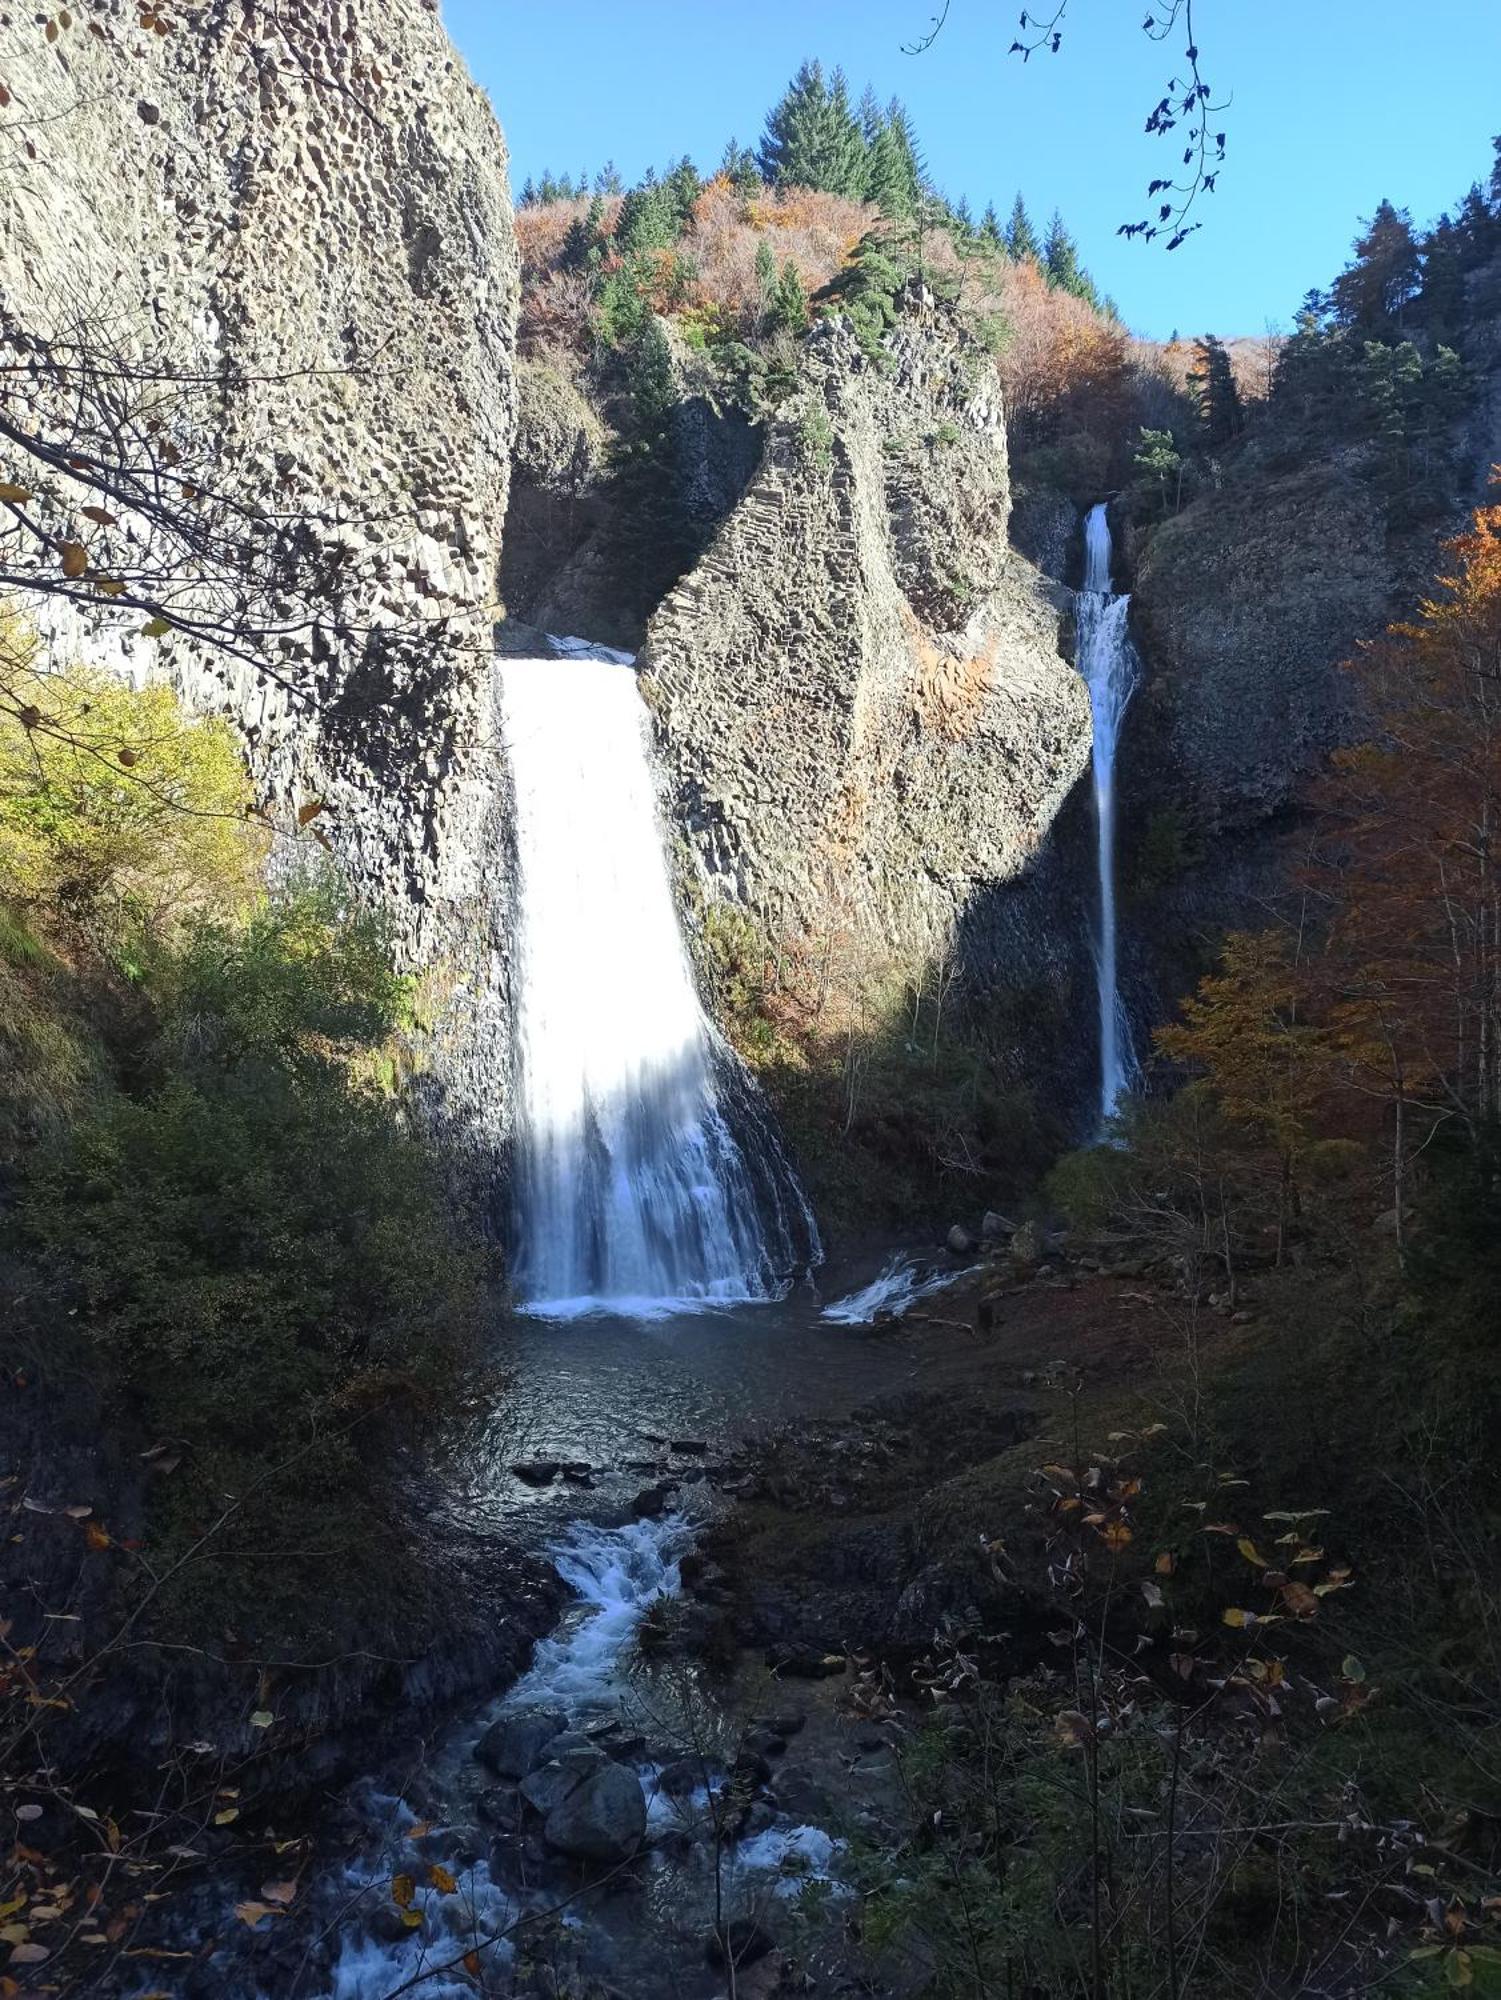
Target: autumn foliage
1377, 1018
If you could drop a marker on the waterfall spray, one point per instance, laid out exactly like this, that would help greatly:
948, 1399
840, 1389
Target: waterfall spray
1108, 663
633, 1193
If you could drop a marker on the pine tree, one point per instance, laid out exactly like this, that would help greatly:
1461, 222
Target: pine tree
1021, 238
789, 304
893, 180
1060, 257
1441, 302
738, 165
648, 218
872, 118
766, 274
990, 228
682, 188
608, 181
528, 193
1372, 295
581, 244
1211, 383
812, 138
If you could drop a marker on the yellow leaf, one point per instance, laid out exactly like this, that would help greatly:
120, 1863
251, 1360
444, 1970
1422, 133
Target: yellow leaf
411, 1918
1252, 1554
442, 1881
95, 1536
1233, 1615
1166, 1563
229, 1813
252, 1913
403, 1890
1117, 1536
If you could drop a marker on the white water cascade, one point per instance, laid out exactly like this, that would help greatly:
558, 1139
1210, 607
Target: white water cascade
633, 1193
1107, 661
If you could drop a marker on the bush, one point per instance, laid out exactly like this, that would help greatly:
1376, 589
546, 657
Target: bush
116, 809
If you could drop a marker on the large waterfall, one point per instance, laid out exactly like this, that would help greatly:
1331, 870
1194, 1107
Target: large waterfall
1108, 663
632, 1192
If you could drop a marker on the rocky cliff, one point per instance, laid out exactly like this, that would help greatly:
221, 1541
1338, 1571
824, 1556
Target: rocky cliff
867, 725
284, 234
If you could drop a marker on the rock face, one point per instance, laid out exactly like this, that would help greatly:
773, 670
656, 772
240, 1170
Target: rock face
863, 712
1248, 601
298, 216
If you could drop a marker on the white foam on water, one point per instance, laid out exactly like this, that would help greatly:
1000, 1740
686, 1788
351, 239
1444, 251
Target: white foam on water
634, 1195
901, 1284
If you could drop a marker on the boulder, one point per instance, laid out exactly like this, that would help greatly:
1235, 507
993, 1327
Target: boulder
514, 1746
603, 1818
1027, 1247
548, 1787
959, 1240
995, 1228
739, 1942
681, 1777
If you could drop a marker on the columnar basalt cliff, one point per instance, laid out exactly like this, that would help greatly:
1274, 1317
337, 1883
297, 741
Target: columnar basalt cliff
294, 221
867, 723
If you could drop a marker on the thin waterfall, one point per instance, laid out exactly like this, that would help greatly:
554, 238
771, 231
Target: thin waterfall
633, 1193
1107, 660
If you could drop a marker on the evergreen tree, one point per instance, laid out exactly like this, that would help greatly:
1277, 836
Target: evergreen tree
1060, 257
1211, 383
738, 165
682, 188
872, 118
893, 179
528, 193
1372, 295
789, 303
581, 244
812, 139
648, 218
1441, 303
608, 181
766, 274
866, 290
1021, 238
990, 228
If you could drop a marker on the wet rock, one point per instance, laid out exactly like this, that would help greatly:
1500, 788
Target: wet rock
514, 1746
602, 1819
457, 1847
537, 1471
554, 1782
739, 1942
959, 1240
751, 1768
578, 1472
689, 1447
500, 1807
785, 1722
681, 1777
765, 1741
802, 1795
995, 1228
650, 1504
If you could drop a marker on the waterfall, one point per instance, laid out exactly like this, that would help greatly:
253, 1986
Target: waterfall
1107, 661
632, 1192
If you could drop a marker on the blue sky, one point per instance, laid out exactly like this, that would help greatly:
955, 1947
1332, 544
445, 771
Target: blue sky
1336, 103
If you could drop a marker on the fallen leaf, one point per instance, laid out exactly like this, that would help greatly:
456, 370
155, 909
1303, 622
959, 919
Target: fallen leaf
441, 1879
279, 1892
252, 1913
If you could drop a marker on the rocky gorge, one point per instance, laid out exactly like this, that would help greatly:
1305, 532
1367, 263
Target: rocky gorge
663, 1644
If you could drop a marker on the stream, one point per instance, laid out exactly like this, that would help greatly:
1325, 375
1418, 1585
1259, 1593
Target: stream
732, 1800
